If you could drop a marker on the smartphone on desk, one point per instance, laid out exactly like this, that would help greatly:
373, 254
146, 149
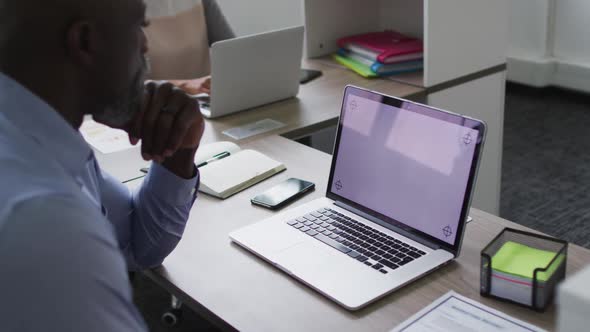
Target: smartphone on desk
283, 193
308, 75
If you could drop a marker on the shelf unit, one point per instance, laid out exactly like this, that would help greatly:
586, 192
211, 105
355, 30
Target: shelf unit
464, 59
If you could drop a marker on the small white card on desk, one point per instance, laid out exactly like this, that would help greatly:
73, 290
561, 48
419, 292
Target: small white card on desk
105, 139
253, 128
453, 312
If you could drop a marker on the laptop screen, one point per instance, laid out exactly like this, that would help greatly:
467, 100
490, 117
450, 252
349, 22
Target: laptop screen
405, 161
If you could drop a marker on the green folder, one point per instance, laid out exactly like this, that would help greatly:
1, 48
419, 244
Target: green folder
356, 66
521, 260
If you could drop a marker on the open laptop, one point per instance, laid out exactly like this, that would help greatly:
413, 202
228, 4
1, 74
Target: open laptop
398, 196
253, 70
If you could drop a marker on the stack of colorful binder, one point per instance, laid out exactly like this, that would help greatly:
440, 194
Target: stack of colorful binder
380, 53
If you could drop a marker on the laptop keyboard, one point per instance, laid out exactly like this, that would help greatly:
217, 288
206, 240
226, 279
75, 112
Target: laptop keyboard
357, 240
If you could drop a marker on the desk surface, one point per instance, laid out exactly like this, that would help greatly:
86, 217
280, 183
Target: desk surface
316, 106
238, 290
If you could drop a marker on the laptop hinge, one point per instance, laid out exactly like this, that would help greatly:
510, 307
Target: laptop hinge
387, 225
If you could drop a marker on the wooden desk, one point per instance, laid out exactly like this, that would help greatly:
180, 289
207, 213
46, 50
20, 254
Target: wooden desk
237, 290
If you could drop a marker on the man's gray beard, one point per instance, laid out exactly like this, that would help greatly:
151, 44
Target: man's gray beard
123, 110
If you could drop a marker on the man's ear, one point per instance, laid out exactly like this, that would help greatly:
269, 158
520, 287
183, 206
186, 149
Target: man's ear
81, 43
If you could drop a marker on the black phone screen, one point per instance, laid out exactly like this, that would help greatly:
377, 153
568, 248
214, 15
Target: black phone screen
309, 75
283, 193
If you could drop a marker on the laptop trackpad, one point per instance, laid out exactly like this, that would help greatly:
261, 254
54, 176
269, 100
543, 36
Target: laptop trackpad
302, 258
332, 273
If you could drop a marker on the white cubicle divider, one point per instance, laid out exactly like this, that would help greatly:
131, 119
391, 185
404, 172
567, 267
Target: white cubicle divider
483, 99
463, 37
464, 59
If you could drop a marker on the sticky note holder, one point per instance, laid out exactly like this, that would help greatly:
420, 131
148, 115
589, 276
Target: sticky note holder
523, 268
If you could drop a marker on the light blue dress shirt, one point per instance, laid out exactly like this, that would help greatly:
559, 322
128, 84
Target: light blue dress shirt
68, 231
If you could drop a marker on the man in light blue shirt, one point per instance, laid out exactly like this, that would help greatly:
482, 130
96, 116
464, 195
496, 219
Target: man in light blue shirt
69, 232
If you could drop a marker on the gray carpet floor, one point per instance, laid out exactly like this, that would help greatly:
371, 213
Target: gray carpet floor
546, 162
545, 179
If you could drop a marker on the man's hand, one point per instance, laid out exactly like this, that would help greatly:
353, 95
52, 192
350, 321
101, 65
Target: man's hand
170, 127
195, 86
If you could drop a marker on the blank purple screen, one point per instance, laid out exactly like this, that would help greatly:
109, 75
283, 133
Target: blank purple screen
405, 165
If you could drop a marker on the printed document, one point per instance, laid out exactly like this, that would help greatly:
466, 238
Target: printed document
455, 313
105, 139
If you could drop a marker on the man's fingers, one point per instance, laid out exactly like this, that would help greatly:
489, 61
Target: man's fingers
164, 126
158, 101
161, 134
190, 89
170, 120
207, 83
133, 140
187, 118
137, 124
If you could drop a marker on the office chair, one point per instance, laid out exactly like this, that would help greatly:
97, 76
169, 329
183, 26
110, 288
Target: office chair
174, 315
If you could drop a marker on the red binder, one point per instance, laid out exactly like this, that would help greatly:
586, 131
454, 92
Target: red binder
385, 46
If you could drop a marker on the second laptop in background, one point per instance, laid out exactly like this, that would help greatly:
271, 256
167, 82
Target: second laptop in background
254, 70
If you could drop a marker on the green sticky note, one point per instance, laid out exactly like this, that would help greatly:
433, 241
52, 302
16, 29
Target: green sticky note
357, 67
521, 260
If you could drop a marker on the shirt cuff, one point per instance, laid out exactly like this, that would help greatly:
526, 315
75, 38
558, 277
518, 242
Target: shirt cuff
170, 188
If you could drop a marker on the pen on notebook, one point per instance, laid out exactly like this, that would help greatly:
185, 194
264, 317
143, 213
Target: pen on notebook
215, 157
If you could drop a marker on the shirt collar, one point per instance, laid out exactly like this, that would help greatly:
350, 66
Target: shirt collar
38, 120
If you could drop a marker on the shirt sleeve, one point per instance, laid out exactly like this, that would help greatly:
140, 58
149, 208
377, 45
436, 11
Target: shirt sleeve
217, 26
149, 223
62, 270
